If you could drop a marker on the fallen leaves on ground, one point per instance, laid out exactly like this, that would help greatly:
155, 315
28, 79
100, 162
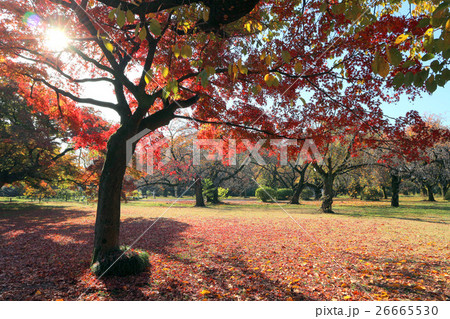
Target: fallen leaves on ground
214, 255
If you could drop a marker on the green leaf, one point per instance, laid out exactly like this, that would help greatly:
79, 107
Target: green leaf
439, 15
428, 57
409, 78
423, 23
380, 65
420, 77
440, 80
286, 56
407, 64
172, 86
120, 18
204, 78
338, 8
435, 66
136, 31
398, 80
446, 54
256, 89
165, 93
186, 51
430, 84
394, 56
130, 16
112, 14
143, 34
155, 27
298, 67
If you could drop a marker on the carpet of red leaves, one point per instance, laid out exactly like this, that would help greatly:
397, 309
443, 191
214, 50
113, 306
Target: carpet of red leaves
217, 255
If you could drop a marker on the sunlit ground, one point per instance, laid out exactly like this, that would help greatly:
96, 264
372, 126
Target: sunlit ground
368, 251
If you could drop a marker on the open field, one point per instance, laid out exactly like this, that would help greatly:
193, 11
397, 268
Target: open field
241, 250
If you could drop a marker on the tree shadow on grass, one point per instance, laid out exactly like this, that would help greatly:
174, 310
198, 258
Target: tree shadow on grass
46, 251
409, 278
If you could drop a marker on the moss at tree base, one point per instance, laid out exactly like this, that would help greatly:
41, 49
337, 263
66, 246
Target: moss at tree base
121, 262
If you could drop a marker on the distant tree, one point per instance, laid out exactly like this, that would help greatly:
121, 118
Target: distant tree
31, 143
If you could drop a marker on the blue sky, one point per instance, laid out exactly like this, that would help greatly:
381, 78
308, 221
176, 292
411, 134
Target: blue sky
437, 103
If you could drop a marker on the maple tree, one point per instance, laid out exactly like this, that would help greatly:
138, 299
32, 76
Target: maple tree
162, 56
30, 143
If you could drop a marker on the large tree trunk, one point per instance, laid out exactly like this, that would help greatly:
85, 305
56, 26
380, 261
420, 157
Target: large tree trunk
430, 193
328, 194
107, 223
215, 197
395, 182
295, 200
199, 201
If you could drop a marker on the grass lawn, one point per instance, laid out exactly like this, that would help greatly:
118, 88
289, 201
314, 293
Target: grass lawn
241, 250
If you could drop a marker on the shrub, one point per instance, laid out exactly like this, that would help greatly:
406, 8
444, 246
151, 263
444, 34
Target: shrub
208, 189
122, 262
222, 192
284, 193
447, 195
265, 194
307, 194
372, 193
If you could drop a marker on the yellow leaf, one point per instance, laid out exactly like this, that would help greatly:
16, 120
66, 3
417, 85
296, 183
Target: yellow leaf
108, 45
401, 38
205, 292
165, 72
248, 26
147, 78
347, 297
176, 51
447, 26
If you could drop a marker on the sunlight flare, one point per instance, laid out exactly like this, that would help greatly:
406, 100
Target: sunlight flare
56, 39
